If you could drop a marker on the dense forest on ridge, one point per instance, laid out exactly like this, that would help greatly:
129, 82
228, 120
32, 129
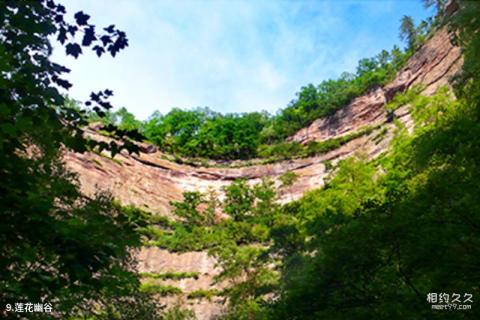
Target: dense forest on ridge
208, 134
373, 242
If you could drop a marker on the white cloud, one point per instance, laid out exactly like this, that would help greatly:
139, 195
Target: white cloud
232, 56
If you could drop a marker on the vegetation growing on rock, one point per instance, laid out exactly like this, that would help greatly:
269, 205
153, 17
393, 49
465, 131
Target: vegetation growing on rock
203, 133
371, 243
363, 231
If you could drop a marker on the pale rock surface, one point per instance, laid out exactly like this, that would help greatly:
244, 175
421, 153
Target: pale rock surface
149, 181
431, 66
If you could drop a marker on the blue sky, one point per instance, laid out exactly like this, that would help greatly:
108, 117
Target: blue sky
232, 56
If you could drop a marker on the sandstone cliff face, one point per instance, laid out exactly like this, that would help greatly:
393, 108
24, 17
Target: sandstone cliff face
149, 181
431, 66
158, 260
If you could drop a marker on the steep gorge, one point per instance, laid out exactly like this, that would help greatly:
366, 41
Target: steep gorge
149, 181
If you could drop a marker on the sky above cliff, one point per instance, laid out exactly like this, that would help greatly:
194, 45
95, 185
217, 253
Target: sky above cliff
232, 56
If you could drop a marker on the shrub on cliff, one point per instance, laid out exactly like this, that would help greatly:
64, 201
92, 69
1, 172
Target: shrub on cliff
57, 245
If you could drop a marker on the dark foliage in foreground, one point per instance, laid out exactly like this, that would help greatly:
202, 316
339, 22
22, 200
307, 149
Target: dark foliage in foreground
57, 245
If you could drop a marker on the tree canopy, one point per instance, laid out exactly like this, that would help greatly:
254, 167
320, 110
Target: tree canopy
381, 237
372, 243
204, 133
58, 245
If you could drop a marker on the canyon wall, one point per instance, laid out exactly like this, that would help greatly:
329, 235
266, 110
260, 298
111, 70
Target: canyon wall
149, 181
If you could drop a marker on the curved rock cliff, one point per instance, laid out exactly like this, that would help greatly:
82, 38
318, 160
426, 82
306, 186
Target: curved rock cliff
149, 181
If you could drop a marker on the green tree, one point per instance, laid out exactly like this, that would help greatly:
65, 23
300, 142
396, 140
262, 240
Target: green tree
239, 199
196, 209
249, 276
245, 262
438, 4
408, 32
382, 235
57, 245
466, 25
373, 239
175, 130
127, 120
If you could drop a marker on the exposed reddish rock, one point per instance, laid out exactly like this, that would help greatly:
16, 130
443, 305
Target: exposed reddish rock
431, 66
149, 181
451, 7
